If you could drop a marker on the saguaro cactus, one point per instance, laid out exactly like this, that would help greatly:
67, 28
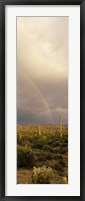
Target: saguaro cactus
61, 125
39, 130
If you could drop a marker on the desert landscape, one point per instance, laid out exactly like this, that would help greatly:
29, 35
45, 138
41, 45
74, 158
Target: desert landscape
43, 148
42, 100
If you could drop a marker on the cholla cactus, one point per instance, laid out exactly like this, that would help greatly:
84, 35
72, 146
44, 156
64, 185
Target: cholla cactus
61, 125
42, 175
65, 180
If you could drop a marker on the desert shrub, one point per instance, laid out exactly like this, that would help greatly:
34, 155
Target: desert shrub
46, 163
47, 148
39, 143
56, 143
48, 156
33, 138
65, 144
58, 166
62, 162
44, 155
63, 150
22, 140
56, 149
42, 175
25, 157
51, 139
66, 172
65, 137
59, 156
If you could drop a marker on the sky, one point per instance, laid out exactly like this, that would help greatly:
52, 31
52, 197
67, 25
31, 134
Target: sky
42, 70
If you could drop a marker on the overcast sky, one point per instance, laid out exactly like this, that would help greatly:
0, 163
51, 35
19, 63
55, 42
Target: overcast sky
42, 70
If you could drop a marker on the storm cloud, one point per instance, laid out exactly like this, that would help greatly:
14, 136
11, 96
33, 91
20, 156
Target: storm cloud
42, 70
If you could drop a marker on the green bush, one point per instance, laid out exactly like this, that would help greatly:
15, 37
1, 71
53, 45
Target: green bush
47, 148
64, 150
58, 166
56, 149
59, 156
39, 143
42, 175
22, 140
25, 157
62, 162
44, 155
56, 143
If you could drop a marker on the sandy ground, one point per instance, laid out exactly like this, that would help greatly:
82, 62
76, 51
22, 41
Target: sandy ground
24, 177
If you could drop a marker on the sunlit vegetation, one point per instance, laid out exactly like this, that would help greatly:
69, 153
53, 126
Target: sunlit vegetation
42, 175
44, 148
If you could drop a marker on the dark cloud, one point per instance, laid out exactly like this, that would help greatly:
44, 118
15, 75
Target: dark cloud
41, 101
42, 70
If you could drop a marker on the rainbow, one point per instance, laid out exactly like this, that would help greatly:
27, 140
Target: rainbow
44, 101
